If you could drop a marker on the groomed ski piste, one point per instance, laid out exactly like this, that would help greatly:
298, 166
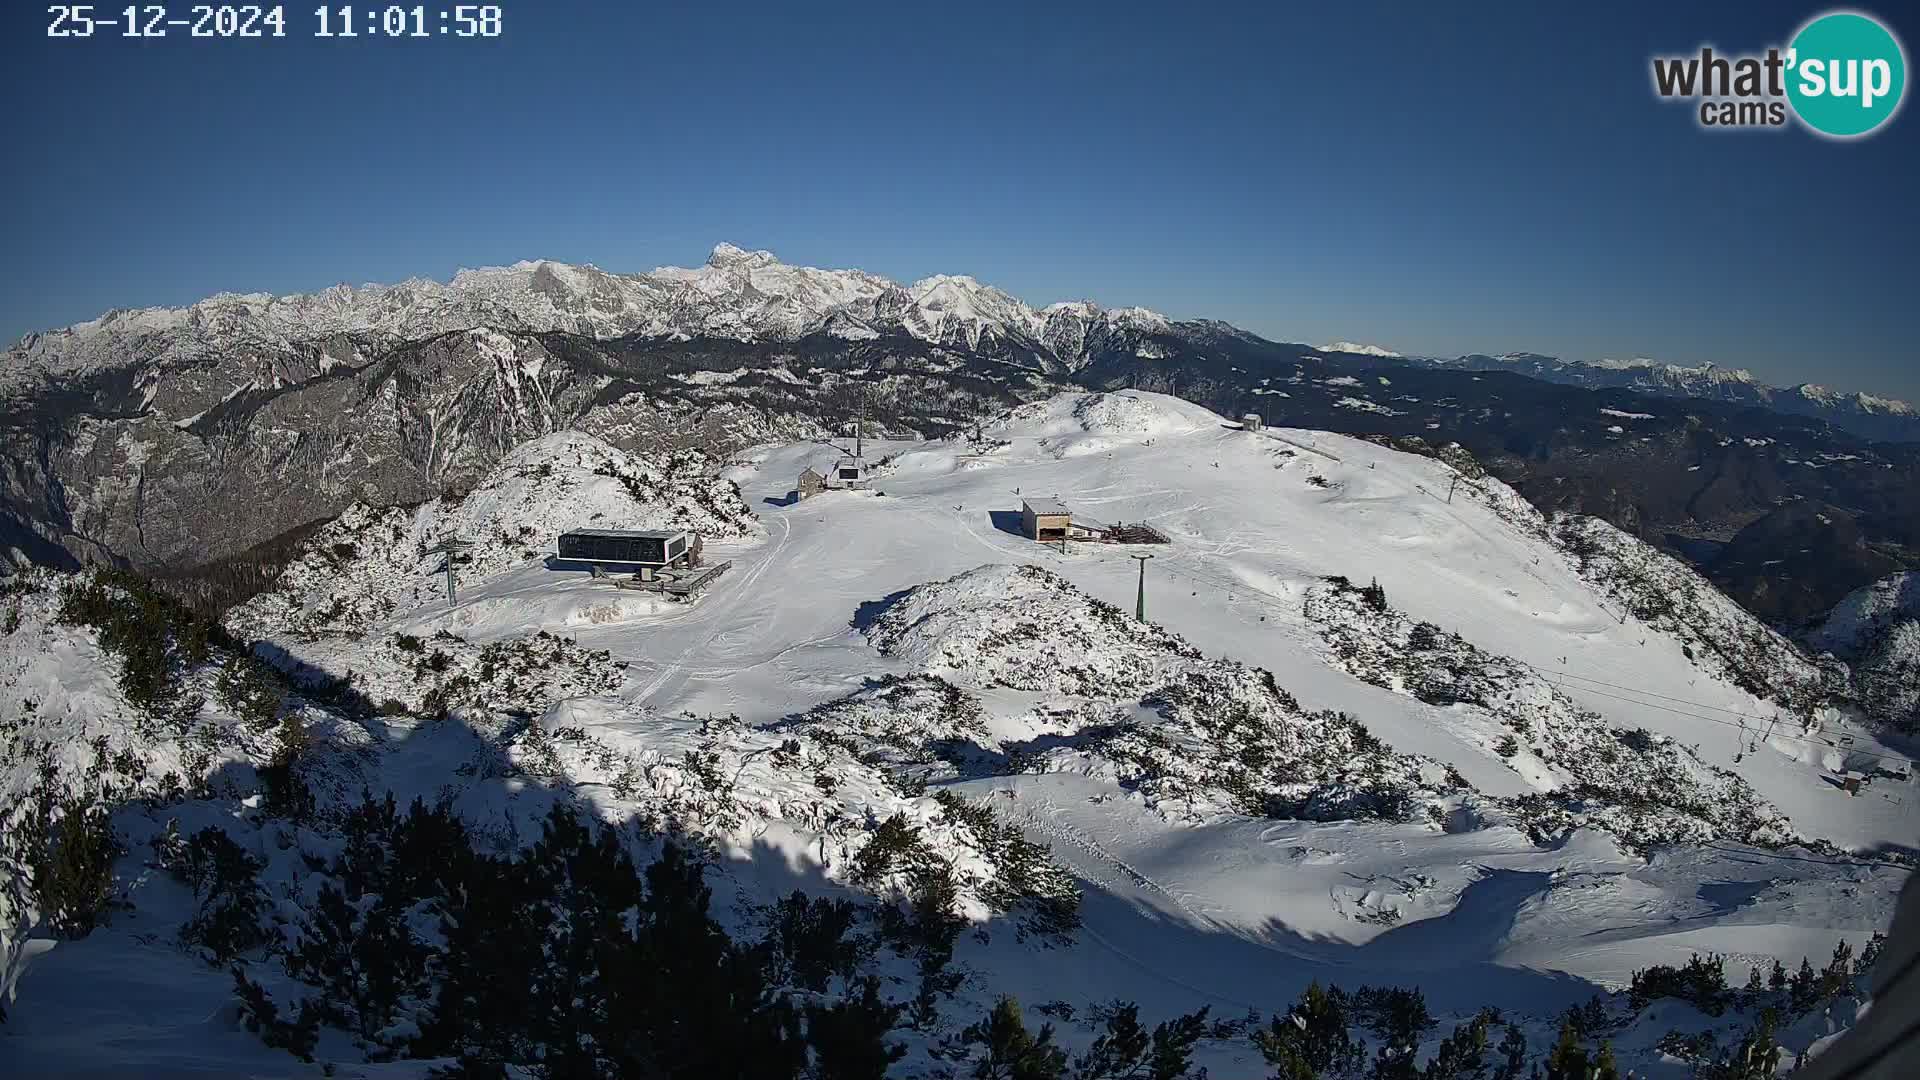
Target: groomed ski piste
1189, 900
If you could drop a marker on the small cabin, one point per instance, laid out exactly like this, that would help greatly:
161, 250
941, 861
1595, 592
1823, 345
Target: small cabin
1252, 422
643, 551
1045, 520
811, 483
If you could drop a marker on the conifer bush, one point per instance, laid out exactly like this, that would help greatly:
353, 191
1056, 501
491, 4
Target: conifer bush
70, 857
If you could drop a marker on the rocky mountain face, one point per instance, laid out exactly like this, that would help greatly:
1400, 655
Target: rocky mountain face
162, 437
168, 439
1876, 630
1866, 415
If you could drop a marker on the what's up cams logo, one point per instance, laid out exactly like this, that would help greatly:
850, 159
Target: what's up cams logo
1843, 76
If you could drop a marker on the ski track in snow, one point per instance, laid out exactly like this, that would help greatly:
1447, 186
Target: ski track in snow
673, 672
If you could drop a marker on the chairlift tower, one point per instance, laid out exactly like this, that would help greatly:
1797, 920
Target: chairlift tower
1140, 599
451, 548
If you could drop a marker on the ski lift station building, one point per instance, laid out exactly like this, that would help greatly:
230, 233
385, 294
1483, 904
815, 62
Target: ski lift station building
621, 549
849, 472
1050, 521
1045, 519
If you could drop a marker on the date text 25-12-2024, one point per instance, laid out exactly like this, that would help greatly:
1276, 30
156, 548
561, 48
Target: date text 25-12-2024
259, 21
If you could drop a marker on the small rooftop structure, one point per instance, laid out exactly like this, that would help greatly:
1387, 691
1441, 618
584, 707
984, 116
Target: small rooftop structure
1252, 422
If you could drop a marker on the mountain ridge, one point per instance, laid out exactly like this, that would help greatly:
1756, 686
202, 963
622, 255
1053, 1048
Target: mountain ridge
1866, 414
739, 295
752, 296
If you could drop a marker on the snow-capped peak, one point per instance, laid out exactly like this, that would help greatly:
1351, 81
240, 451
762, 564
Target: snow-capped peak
1356, 349
741, 294
725, 255
1868, 403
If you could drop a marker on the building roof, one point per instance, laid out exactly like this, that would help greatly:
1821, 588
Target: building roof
627, 534
811, 471
1047, 506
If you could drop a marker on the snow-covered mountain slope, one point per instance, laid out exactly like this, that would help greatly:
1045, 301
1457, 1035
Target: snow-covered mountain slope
1876, 630
1715, 631
370, 563
1133, 705
1851, 626
1258, 521
1648, 790
74, 734
873, 656
1069, 425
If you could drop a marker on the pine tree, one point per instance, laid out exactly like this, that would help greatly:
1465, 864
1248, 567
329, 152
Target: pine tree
1126, 1051
1568, 1060
363, 955
1837, 979
810, 937
1757, 1057
1463, 1054
1604, 1066
1375, 596
849, 1038
70, 864
1312, 1038
1513, 1054
1013, 1052
1869, 955
262, 1017
1804, 991
225, 880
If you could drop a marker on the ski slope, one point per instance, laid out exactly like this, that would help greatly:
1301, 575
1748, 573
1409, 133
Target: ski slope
1251, 533
1220, 910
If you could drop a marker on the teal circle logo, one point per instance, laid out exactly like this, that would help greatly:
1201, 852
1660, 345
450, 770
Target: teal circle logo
1846, 74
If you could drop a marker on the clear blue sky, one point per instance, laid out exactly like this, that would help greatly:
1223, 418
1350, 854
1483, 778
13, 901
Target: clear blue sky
1437, 178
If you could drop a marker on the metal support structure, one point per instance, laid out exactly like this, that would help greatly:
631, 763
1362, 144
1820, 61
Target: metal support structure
451, 548
1140, 600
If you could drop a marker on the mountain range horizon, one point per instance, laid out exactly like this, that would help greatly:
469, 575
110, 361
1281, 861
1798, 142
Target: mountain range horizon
974, 300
